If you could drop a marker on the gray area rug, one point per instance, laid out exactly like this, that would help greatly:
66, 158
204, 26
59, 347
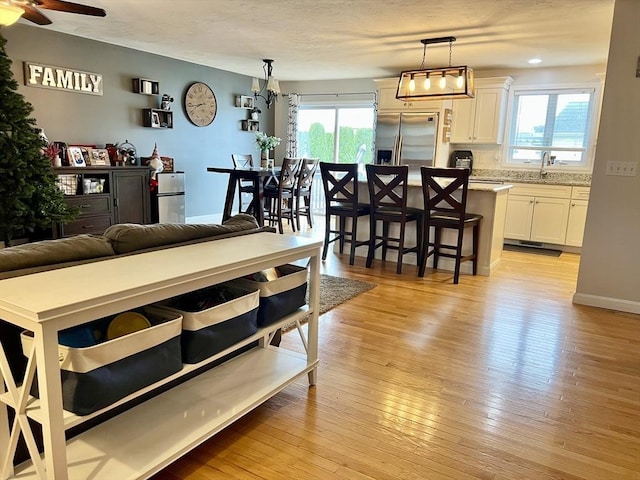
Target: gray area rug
333, 292
337, 290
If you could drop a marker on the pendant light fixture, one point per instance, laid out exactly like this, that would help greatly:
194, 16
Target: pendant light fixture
270, 89
448, 82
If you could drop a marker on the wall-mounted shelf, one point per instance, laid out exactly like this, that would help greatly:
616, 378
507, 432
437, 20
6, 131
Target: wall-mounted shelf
243, 101
146, 86
157, 118
250, 125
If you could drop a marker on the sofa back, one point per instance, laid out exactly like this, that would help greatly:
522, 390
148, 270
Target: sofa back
117, 240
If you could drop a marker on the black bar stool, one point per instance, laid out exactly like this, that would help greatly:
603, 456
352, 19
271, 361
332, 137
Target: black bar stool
445, 206
244, 187
279, 194
340, 184
304, 184
388, 199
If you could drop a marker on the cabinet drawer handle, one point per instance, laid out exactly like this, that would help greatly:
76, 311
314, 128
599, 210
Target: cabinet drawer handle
86, 205
87, 226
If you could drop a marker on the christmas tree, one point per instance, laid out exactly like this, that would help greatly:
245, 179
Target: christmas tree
31, 200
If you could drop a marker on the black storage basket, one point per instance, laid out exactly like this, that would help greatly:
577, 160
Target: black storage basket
281, 296
211, 330
97, 376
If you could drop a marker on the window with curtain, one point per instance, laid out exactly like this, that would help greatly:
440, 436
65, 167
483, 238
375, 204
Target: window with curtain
559, 122
335, 130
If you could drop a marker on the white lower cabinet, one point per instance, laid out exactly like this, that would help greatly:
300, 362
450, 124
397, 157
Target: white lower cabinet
577, 216
549, 223
538, 213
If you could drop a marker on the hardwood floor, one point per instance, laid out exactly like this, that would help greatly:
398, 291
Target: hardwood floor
497, 378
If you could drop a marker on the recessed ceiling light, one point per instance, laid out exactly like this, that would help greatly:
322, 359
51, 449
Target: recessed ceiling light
535, 61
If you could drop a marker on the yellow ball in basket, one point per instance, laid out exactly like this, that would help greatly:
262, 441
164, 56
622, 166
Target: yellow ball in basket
126, 323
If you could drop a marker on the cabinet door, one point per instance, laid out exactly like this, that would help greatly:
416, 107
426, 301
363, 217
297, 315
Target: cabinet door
131, 196
577, 219
517, 224
487, 126
387, 102
462, 125
550, 218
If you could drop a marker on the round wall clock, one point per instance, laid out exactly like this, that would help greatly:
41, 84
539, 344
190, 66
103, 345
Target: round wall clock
200, 104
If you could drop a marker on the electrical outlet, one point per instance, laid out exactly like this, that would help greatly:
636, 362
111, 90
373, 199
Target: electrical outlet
623, 169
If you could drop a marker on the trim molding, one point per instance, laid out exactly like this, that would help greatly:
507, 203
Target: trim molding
607, 302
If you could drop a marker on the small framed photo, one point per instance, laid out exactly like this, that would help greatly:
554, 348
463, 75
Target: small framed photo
76, 159
244, 101
155, 119
167, 162
98, 156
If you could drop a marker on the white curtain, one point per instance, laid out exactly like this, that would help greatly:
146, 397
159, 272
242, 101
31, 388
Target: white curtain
292, 125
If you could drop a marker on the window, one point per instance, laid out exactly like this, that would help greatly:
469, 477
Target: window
339, 134
557, 122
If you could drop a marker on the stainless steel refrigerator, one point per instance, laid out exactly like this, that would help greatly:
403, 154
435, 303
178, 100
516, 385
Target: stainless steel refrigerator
167, 204
406, 138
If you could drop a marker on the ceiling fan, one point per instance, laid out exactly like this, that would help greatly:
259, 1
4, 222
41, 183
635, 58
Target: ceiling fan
31, 9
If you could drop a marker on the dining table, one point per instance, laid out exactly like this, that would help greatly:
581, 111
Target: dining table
257, 176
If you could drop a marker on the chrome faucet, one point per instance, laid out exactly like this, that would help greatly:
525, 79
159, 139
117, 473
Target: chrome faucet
545, 160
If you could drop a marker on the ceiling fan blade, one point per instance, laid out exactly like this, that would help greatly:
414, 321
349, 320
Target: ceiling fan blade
33, 15
69, 7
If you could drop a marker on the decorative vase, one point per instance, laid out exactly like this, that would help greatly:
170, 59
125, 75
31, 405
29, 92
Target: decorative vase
264, 158
57, 161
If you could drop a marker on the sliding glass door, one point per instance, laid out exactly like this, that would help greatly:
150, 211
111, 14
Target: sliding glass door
336, 134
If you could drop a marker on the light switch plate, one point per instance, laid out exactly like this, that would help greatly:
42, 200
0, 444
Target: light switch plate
622, 169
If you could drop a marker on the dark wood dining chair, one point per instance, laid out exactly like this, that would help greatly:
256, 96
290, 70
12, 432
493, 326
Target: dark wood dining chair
279, 194
388, 186
244, 187
340, 185
304, 184
445, 205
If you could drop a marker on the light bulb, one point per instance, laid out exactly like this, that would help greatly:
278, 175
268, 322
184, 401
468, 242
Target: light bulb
412, 84
427, 82
443, 81
9, 14
460, 80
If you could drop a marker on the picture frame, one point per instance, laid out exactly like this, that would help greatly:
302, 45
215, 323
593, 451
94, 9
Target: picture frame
155, 119
75, 156
167, 162
244, 101
99, 157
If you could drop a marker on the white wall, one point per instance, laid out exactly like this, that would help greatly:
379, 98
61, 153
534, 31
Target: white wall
609, 273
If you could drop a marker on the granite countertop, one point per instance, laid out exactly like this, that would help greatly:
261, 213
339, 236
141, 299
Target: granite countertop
528, 176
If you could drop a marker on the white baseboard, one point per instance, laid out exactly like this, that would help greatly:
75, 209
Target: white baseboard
607, 302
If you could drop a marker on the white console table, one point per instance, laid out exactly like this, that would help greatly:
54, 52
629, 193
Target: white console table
146, 438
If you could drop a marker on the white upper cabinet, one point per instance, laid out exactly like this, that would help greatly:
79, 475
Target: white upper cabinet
481, 119
387, 101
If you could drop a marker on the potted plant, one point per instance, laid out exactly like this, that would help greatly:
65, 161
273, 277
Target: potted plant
265, 143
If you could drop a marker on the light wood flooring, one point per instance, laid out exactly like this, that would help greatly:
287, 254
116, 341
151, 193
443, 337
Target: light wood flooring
497, 378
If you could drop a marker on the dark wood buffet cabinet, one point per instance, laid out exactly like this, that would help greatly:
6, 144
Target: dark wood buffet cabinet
105, 196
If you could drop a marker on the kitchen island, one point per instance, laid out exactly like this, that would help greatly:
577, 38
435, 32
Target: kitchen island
486, 198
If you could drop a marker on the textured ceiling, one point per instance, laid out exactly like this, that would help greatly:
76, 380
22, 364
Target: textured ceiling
339, 39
